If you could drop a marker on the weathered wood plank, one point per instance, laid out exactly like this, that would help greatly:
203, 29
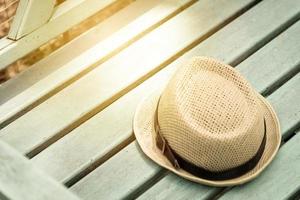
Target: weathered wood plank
283, 50
20, 180
90, 59
98, 137
279, 181
67, 109
290, 115
264, 186
276, 100
64, 17
127, 179
176, 188
30, 15
74, 48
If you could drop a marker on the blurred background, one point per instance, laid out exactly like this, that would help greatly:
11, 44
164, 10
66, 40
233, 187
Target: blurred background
7, 12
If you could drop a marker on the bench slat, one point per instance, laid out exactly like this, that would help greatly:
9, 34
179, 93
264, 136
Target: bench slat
127, 177
291, 99
64, 17
89, 60
280, 106
103, 85
285, 50
21, 180
98, 138
74, 48
140, 173
97, 145
176, 188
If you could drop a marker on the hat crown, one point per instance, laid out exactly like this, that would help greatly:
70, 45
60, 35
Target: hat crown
209, 115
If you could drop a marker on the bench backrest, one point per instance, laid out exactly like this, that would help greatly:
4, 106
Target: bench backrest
36, 23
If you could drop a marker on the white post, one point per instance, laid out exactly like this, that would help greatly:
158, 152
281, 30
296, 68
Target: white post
30, 15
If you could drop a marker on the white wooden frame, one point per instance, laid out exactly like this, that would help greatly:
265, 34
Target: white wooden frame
65, 15
30, 15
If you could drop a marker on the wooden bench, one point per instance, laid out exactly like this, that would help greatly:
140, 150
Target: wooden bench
71, 113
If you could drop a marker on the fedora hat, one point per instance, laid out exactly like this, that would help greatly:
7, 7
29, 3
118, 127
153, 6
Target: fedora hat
208, 125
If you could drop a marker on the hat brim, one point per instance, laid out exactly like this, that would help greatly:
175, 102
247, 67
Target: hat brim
143, 125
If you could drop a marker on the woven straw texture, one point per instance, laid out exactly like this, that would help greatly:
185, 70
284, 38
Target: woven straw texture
209, 105
210, 116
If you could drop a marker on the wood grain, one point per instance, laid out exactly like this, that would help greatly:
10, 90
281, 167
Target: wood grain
20, 180
89, 59
132, 162
68, 109
283, 50
74, 48
99, 138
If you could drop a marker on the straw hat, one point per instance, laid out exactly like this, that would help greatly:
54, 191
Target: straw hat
208, 125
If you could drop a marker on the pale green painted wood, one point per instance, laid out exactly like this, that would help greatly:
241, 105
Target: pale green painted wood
75, 47
79, 139
130, 162
99, 132
64, 111
21, 180
274, 105
177, 188
284, 50
65, 15
291, 99
279, 181
283, 181
99, 136
30, 15
91, 58
97, 139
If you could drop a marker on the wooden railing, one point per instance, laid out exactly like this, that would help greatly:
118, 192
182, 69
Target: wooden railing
35, 23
